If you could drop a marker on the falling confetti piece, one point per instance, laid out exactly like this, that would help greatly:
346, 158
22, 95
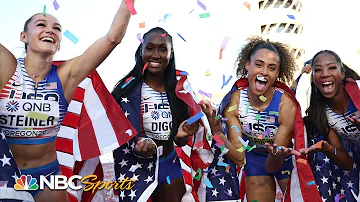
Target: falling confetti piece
303, 161
207, 73
145, 66
267, 131
224, 43
198, 174
168, 179
166, 16
207, 171
240, 149
44, 11
142, 25
127, 82
139, 37
251, 148
220, 54
262, 98
209, 95
133, 168
237, 129
274, 113
204, 15
291, 17
310, 183
254, 201
163, 35
227, 169
184, 73
195, 118
217, 175
222, 164
131, 7
247, 108
285, 171
229, 195
181, 37
191, 10
224, 119
56, 5
222, 148
225, 82
201, 4
257, 117
319, 144
218, 140
243, 142
208, 183
71, 36
260, 136
247, 5
247, 129
217, 117
232, 108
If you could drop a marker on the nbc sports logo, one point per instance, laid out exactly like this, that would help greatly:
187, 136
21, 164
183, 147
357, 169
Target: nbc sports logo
26, 182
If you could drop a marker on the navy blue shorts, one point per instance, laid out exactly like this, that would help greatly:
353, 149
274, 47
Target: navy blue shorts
256, 166
169, 166
45, 170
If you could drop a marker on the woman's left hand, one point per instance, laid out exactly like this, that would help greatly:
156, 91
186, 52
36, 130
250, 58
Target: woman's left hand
185, 129
280, 151
355, 121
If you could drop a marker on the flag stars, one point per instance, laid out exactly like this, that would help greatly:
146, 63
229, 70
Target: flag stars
334, 185
324, 179
150, 166
346, 172
132, 194
5, 161
149, 179
351, 154
122, 177
318, 168
125, 99
342, 191
123, 163
327, 160
222, 181
135, 177
126, 114
126, 150
122, 195
214, 192
350, 184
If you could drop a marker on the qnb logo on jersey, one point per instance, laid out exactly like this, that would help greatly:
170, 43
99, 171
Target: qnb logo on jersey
26, 182
12, 106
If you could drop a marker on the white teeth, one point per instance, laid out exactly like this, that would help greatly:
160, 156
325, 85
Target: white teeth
154, 63
261, 78
48, 39
327, 83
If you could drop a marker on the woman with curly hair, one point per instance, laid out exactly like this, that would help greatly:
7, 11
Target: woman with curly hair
260, 116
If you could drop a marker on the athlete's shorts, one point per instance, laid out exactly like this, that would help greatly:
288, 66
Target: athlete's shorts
169, 166
256, 166
45, 170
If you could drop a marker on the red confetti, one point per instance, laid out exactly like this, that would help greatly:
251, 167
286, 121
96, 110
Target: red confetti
145, 66
128, 79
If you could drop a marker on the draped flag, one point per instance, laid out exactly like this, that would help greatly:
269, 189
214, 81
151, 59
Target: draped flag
335, 183
301, 184
8, 173
145, 170
93, 125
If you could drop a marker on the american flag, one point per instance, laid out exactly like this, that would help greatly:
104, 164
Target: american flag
8, 173
93, 125
297, 190
334, 183
146, 170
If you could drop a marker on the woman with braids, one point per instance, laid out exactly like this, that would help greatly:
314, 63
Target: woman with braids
38, 93
260, 114
333, 127
147, 95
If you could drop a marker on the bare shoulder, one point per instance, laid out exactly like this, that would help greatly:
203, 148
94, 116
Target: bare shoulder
288, 107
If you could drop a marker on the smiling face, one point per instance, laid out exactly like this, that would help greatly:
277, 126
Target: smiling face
327, 75
157, 51
263, 70
42, 34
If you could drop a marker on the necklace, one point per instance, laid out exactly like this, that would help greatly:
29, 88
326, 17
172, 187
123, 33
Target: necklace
255, 107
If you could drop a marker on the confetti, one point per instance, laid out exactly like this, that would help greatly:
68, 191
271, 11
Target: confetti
319, 144
247, 5
163, 35
204, 15
237, 129
285, 171
207, 73
56, 5
139, 38
44, 11
222, 148
145, 66
232, 108
310, 183
240, 150
220, 54
224, 43
142, 25
254, 201
184, 73
303, 161
181, 37
217, 117
291, 17
198, 174
260, 136
168, 179
247, 108
243, 142
227, 169
195, 118
335, 151
127, 81
273, 113
208, 183
166, 16
218, 140
217, 144
257, 117
267, 131
224, 119
131, 7
247, 129
225, 82
37, 115
209, 95
199, 144
262, 98
250, 148
222, 164
207, 171
71, 36
201, 4
338, 197
229, 195
217, 175
191, 10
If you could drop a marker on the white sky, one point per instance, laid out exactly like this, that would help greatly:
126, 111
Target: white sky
328, 24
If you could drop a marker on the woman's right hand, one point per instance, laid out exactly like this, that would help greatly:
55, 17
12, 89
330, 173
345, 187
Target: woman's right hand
144, 148
210, 113
306, 68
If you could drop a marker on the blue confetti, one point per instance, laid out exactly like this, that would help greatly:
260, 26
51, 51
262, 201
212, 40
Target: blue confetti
71, 37
222, 164
208, 183
291, 17
237, 129
181, 37
195, 118
127, 83
225, 82
184, 73
310, 183
168, 179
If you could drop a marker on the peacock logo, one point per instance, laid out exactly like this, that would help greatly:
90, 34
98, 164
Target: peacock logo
26, 182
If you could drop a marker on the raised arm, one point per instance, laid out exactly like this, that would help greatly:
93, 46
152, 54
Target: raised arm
7, 65
287, 113
75, 70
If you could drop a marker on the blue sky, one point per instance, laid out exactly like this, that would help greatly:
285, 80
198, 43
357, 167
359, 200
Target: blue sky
328, 24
